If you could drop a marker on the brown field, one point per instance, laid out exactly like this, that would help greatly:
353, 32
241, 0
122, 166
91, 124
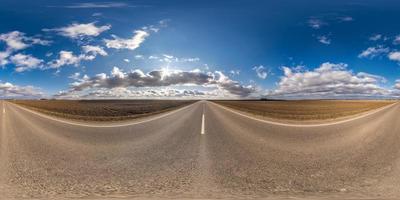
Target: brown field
102, 110
306, 110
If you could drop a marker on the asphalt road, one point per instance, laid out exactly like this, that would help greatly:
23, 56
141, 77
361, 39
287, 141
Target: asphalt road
200, 151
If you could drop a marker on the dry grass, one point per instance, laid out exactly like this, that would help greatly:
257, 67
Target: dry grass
102, 110
306, 110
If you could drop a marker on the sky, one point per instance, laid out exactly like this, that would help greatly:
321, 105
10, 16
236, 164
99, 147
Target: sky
180, 49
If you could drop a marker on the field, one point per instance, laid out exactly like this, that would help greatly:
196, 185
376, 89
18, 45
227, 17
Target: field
306, 110
101, 110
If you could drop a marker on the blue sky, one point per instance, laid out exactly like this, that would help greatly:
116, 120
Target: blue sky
199, 49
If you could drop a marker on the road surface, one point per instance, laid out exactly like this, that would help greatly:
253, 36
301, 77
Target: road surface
199, 151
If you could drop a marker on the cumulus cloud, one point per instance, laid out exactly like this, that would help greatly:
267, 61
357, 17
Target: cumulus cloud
133, 43
75, 76
329, 80
395, 56
65, 58
159, 78
76, 30
397, 84
26, 62
372, 52
8, 90
69, 58
261, 71
89, 49
324, 39
3, 57
16, 40
231, 86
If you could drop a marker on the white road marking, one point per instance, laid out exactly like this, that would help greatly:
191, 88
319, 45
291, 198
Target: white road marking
103, 126
304, 125
202, 124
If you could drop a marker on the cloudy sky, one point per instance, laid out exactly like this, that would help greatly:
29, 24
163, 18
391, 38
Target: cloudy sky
199, 49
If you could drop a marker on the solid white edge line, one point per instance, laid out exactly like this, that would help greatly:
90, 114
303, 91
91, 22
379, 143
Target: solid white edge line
305, 125
103, 126
202, 124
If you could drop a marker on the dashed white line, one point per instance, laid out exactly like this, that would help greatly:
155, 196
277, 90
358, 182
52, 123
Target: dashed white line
202, 125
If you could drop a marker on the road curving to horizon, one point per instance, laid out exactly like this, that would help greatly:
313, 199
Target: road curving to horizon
201, 151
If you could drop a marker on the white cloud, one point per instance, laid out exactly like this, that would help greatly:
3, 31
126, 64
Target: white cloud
139, 36
188, 59
153, 57
328, 81
89, 49
68, 58
97, 14
76, 30
98, 5
3, 57
26, 62
75, 76
139, 57
396, 40
324, 39
395, 56
16, 40
261, 71
8, 90
127, 60
38, 41
65, 58
155, 28
234, 72
372, 52
316, 23
170, 58
397, 84
132, 43
346, 19
375, 37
